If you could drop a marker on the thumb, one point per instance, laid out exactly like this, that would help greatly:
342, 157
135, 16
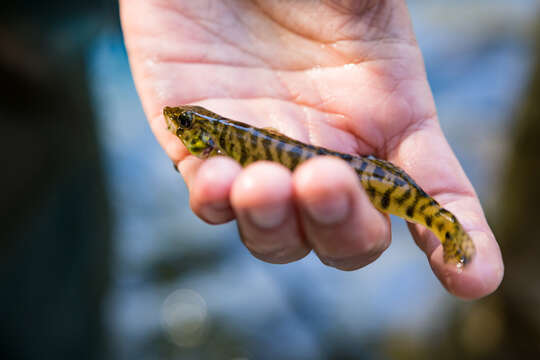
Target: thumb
425, 154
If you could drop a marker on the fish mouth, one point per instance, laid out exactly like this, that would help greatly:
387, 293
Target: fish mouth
170, 125
167, 111
168, 115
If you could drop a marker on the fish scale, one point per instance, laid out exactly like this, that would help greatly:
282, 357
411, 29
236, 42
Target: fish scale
390, 188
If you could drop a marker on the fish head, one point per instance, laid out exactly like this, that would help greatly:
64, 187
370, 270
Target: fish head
183, 122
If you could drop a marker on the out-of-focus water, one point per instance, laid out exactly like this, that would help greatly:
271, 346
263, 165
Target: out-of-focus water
476, 58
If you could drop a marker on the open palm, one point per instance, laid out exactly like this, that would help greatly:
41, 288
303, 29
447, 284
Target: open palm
345, 75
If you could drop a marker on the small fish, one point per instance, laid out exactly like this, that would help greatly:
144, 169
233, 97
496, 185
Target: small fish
389, 188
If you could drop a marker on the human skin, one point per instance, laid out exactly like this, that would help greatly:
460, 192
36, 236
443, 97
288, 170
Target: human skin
345, 75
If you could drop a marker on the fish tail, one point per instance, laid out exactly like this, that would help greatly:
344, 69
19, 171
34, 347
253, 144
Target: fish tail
392, 191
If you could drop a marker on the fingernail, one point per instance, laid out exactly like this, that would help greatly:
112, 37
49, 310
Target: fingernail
491, 272
331, 210
268, 217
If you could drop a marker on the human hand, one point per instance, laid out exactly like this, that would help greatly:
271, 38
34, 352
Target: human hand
345, 75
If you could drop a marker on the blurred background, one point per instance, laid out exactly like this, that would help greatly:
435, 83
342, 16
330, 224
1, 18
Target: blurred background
101, 257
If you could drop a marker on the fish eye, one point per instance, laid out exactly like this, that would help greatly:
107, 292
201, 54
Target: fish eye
185, 119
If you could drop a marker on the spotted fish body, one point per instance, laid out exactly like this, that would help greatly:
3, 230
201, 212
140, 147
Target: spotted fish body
389, 188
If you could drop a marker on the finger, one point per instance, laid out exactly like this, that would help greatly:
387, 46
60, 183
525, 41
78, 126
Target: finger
209, 183
339, 221
480, 277
427, 157
263, 202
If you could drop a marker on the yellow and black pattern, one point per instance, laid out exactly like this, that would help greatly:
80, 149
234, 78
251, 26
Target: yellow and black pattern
390, 189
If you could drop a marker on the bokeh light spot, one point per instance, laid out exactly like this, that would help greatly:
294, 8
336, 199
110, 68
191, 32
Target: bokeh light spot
185, 317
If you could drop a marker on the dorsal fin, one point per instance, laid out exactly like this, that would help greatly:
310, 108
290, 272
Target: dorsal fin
272, 131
